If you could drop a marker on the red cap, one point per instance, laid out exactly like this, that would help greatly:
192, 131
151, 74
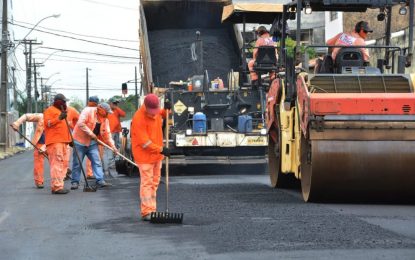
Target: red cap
152, 104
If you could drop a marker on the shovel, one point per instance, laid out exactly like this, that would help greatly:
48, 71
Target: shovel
166, 216
87, 187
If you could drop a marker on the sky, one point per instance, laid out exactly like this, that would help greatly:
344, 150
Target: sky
100, 21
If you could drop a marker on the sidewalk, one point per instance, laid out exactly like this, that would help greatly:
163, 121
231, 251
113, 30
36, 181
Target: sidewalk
11, 151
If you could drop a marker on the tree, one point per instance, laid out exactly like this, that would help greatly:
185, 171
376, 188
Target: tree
76, 103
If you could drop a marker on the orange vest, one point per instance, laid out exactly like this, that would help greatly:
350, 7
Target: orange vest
114, 119
86, 123
56, 130
147, 136
73, 116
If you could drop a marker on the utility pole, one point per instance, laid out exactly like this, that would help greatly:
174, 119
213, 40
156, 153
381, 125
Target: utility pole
136, 94
14, 89
4, 140
87, 87
36, 65
28, 55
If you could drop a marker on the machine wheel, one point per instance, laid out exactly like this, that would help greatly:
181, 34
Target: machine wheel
274, 162
278, 179
306, 168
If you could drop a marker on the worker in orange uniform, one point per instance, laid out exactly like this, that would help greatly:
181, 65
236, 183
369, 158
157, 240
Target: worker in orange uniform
38, 140
72, 117
148, 150
114, 119
355, 38
93, 102
57, 138
264, 39
92, 123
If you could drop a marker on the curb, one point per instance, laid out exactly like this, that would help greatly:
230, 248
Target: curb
11, 151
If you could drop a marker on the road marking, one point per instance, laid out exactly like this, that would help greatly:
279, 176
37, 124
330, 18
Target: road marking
4, 215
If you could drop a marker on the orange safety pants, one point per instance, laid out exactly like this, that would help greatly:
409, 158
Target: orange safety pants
38, 160
89, 172
149, 182
57, 153
68, 156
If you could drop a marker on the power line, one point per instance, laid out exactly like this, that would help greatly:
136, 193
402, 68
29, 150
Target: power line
81, 58
91, 61
110, 5
78, 39
78, 34
92, 53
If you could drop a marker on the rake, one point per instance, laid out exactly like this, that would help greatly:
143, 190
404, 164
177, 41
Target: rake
166, 217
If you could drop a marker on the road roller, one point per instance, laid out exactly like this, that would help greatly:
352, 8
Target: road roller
346, 133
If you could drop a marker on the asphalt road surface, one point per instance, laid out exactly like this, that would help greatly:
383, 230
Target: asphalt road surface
226, 216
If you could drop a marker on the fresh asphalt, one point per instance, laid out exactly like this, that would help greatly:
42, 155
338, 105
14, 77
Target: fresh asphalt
227, 216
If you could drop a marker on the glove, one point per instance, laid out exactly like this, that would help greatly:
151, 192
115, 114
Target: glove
167, 104
165, 152
63, 115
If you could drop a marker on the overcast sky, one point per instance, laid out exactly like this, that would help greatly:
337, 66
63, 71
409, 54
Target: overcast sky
79, 19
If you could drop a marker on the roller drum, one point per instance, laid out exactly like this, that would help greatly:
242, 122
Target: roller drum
358, 170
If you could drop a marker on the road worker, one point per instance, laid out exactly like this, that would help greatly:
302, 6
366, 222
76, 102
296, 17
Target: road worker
93, 122
264, 39
57, 138
72, 117
114, 119
148, 150
93, 101
38, 140
355, 38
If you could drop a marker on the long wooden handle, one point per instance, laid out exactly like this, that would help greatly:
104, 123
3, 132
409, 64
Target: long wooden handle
125, 158
30, 142
167, 158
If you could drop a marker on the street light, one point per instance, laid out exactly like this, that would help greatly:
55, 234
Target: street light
50, 55
31, 30
48, 78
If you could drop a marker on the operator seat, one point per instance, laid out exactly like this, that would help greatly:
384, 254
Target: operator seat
266, 61
348, 57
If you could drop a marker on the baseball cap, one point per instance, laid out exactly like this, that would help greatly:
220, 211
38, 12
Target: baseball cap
365, 26
60, 97
151, 101
114, 100
106, 107
93, 99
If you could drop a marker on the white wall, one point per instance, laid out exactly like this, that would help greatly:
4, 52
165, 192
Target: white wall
333, 27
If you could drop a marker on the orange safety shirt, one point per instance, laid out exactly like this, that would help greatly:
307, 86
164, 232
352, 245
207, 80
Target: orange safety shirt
114, 118
56, 130
147, 136
38, 119
348, 39
83, 130
73, 116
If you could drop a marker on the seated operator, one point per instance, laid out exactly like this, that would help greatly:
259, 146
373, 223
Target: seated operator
356, 38
264, 39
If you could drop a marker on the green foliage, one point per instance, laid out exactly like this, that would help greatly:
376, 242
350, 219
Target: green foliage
76, 103
127, 104
290, 45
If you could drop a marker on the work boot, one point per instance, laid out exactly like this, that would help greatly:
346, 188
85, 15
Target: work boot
103, 184
146, 217
39, 185
68, 175
74, 186
61, 191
